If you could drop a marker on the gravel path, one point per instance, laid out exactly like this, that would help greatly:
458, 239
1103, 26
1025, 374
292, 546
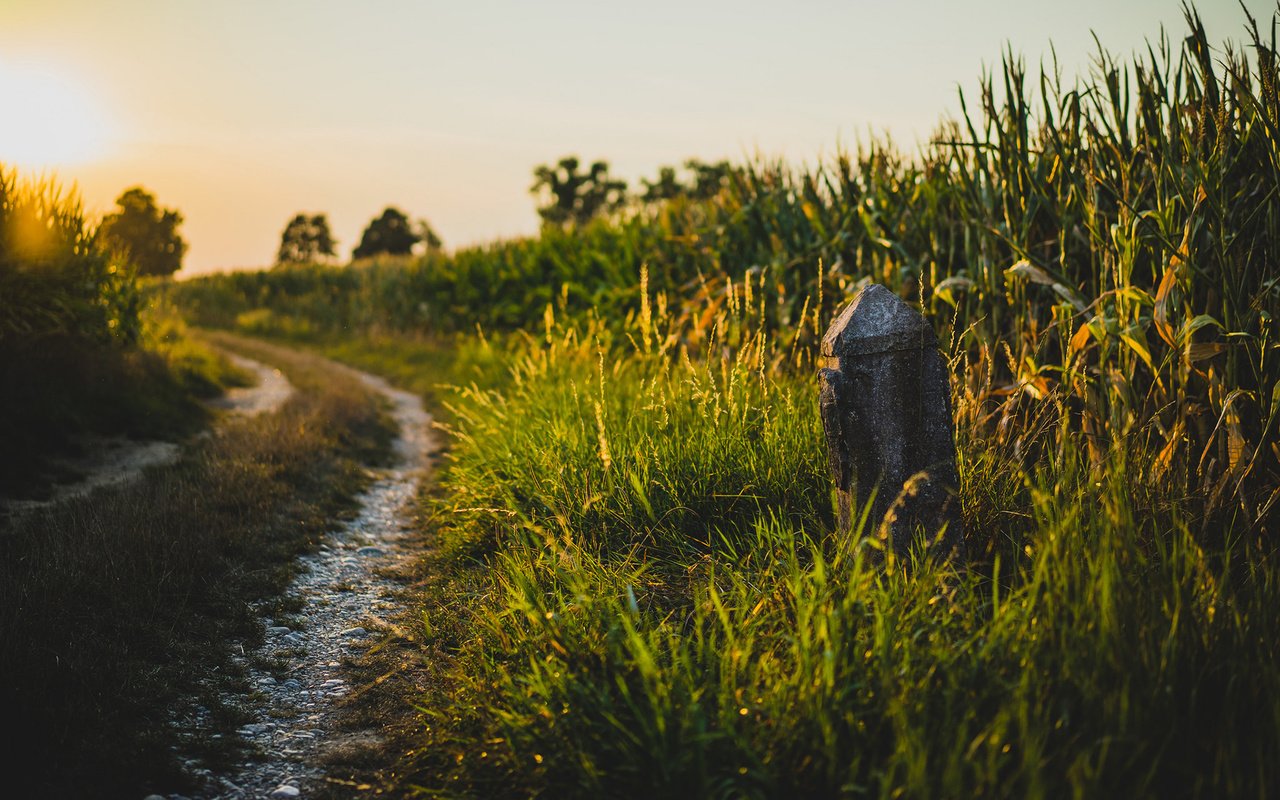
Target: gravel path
112, 461
344, 599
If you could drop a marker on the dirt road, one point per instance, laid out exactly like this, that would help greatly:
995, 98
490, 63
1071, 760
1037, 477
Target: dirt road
343, 599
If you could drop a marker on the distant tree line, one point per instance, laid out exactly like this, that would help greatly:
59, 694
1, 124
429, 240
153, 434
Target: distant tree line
571, 195
146, 236
307, 240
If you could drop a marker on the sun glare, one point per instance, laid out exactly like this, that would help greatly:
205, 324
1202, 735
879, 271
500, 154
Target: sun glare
50, 121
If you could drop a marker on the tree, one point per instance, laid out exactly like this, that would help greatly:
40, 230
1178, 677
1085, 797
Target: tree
576, 197
390, 233
144, 233
705, 181
708, 179
428, 236
305, 240
665, 187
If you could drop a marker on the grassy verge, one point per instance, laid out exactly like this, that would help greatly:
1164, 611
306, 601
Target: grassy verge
629, 589
635, 594
63, 390
118, 612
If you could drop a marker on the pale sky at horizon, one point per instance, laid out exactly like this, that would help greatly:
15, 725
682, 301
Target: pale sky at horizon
241, 114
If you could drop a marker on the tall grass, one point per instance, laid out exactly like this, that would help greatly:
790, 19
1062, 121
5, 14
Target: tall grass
1108, 245
655, 609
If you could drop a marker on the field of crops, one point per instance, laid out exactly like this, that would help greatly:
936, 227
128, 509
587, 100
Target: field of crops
1097, 255
640, 591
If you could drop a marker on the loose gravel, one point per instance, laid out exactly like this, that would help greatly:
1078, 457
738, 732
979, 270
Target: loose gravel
345, 601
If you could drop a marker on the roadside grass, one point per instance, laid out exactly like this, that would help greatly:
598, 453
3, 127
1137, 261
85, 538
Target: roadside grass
63, 389
629, 589
118, 613
641, 598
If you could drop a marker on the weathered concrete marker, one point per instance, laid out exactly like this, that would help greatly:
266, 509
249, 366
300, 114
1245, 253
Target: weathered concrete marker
886, 410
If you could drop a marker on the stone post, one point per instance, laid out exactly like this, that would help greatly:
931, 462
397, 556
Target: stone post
886, 410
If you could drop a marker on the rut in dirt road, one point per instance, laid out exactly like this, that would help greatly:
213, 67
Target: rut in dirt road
343, 601
270, 391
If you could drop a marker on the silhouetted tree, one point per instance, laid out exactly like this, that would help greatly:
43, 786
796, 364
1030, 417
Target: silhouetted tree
428, 236
705, 181
664, 188
576, 197
146, 234
390, 233
305, 240
708, 179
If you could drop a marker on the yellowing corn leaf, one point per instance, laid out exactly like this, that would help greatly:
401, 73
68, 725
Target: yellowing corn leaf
1235, 441
945, 290
1161, 314
1231, 419
1025, 269
1199, 352
1183, 252
1180, 255
1081, 338
1165, 458
1036, 386
1137, 342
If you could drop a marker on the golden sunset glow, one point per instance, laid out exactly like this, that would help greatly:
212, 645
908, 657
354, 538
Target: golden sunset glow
50, 121
240, 114
712, 398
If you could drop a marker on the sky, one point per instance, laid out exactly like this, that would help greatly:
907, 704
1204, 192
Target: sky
243, 113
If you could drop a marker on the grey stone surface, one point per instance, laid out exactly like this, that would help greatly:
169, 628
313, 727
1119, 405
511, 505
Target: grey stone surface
886, 410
